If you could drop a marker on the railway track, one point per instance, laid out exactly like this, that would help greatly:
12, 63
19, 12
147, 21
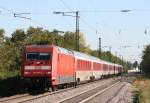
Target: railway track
115, 95
100, 94
28, 97
86, 96
6, 99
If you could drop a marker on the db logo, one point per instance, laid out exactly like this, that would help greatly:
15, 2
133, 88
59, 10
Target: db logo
38, 67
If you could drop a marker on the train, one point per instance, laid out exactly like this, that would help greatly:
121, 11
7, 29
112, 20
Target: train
50, 66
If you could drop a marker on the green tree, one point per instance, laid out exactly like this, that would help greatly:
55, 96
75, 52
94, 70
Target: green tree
145, 64
8, 56
70, 42
1, 36
42, 36
55, 38
18, 35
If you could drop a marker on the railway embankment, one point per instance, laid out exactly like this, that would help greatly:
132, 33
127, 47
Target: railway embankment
142, 90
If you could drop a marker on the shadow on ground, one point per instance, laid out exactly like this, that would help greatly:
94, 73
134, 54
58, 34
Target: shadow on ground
16, 85
12, 86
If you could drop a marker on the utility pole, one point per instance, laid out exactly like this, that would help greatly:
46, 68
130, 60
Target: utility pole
99, 47
122, 59
77, 25
77, 32
110, 53
120, 56
116, 57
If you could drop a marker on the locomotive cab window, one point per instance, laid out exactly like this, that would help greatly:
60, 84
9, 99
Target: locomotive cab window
38, 56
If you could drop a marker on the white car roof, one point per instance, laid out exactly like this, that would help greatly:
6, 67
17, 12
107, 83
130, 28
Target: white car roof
85, 56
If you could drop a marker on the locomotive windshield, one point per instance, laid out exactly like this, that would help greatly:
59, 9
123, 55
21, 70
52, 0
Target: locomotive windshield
38, 56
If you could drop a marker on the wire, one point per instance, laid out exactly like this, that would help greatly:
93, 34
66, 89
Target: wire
87, 24
10, 11
98, 11
65, 5
23, 17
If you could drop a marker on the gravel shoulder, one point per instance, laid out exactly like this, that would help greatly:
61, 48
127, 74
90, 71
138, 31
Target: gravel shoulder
113, 96
122, 93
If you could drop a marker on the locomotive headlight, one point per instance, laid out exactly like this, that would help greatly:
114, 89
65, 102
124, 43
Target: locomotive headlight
53, 78
48, 72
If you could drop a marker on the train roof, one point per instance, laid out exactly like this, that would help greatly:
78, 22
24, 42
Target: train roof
75, 53
42, 46
85, 56
78, 54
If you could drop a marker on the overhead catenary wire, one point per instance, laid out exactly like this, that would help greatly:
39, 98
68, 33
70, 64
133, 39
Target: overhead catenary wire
5, 9
66, 5
81, 19
87, 24
60, 3
22, 16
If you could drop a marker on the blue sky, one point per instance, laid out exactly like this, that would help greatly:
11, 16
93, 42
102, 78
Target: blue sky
116, 28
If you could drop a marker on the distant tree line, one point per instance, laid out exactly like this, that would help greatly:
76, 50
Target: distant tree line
11, 47
145, 63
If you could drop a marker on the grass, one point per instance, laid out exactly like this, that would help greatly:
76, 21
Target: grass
143, 86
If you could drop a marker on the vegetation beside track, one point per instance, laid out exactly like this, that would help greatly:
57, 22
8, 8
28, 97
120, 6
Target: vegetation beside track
143, 90
4, 74
145, 63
